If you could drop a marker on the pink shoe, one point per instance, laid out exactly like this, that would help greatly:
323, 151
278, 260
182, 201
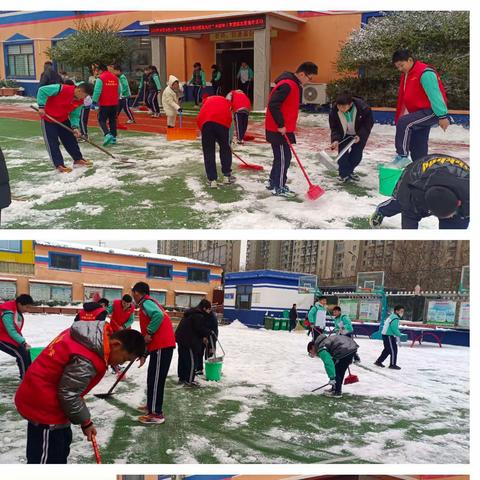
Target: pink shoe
152, 418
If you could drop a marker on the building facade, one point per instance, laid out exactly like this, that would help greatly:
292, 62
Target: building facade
17, 257
71, 273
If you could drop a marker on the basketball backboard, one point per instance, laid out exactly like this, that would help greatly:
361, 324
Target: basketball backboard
370, 281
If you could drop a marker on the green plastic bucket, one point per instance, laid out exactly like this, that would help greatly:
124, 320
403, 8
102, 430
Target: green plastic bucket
213, 370
35, 352
387, 179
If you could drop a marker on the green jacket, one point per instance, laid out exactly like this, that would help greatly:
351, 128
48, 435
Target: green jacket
391, 325
328, 363
155, 315
312, 314
130, 320
124, 86
343, 325
8, 319
429, 83
52, 90
202, 79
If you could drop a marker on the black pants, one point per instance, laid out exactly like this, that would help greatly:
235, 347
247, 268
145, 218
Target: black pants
282, 157
316, 331
292, 325
53, 134
21, 355
186, 364
158, 367
213, 133
152, 101
391, 207
84, 114
197, 91
246, 87
241, 123
350, 160
341, 366
47, 445
390, 348
108, 114
124, 104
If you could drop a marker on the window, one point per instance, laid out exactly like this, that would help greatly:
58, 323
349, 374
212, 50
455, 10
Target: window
160, 297
11, 246
111, 294
243, 298
186, 300
198, 275
20, 61
64, 261
8, 290
44, 292
155, 270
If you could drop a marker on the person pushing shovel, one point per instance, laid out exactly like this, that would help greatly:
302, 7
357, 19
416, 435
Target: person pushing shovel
63, 103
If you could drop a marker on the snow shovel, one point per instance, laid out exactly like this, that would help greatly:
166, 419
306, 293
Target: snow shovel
96, 451
181, 133
248, 138
325, 159
314, 191
245, 165
351, 378
123, 160
110, 392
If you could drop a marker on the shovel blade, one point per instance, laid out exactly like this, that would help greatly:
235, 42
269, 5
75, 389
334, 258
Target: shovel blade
102, 395
315, 192
326, 160
250, 166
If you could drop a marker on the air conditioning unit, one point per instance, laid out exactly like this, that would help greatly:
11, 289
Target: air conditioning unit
314, 93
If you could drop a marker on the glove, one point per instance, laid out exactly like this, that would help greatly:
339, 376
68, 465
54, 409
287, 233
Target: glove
180, 110
332, 382
93, 106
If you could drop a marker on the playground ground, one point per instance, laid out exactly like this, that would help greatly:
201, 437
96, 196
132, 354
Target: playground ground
167, 188
263, 410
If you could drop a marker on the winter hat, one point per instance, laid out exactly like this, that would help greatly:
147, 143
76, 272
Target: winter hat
441, 201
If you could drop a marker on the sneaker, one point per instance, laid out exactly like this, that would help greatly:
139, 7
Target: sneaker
376, 219
63, 169
143, 408
395, 367
131, 121
400, 161
198, 372
229, 179
114, 141
332, 393
152, 418
268, 185
355, 177
379, 364
213, 184
191, 384
282, 192
82, 163
346, 179
108, 139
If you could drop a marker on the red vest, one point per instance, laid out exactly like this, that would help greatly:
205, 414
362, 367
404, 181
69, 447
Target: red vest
119, 315
60, 106
164, 337
10, 306
411, 94
289, 108
215, 109
109, 95
37, 397
91, 315
240, 101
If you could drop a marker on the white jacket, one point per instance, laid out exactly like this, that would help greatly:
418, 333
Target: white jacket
170, 97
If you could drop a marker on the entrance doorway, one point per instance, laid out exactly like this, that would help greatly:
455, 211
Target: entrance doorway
229, 56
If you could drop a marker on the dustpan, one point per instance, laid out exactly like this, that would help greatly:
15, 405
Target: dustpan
351, 378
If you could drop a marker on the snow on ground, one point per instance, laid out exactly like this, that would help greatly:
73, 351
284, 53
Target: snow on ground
263, 410
169, 187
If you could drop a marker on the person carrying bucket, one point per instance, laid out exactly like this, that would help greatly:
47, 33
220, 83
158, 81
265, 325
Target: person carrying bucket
337, 353
11, 324
281, 121
212, 325
51, 395
350, 118
192, 332
436, 185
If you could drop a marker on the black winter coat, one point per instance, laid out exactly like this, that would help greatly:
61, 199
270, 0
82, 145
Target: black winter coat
192, 329
49, 77
5, 195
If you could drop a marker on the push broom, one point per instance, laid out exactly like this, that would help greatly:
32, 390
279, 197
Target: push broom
245, 165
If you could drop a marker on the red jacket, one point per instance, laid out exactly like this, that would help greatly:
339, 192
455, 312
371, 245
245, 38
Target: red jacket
90, 315
43, 377
109, 95
411, 94
289, 108
60, 106
119, 315
240, 101
215, 109
10, 306
164, 337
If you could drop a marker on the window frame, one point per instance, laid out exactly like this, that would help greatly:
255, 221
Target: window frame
170, 270
6, 56
190, 269
12, 251
79, 257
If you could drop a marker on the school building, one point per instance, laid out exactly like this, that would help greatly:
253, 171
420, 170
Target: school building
269, 41
73, 273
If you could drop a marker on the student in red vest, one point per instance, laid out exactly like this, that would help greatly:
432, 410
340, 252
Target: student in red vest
106, 94
11, 324
63, 103
241, 106
281, 119
157, 329
51, 394
91, 311
215, 121
122, 313
421, 104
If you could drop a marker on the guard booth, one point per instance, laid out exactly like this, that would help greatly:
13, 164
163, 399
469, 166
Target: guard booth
252, 296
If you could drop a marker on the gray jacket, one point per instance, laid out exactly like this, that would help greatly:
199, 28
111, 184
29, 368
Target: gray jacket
79, 371
338, 346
